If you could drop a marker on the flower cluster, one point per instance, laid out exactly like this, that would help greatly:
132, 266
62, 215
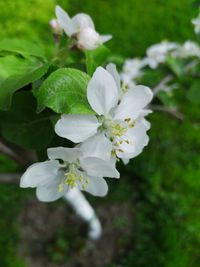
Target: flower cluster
196, 23
117, 130
157, 54
79, 28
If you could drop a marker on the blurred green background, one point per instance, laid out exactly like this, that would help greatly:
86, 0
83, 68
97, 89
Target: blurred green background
162, 185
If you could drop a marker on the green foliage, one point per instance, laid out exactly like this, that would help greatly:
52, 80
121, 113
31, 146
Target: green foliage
167, 98
167, 214
135, 25
194, 93
64, 91
21, 125
27, 20
164, 180
152, 77
11, 202
17, 72
176, 65
22, 47
95, 58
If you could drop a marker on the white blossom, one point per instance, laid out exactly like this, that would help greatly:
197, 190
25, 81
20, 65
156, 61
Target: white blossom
81, 27
196, 23
188, 49
69, 168
132, 69
120, 115
157, 53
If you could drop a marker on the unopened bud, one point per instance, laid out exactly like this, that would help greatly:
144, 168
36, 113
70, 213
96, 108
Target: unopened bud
55, 26
88, 38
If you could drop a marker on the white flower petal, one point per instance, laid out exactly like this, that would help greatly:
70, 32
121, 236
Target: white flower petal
145, 112
105, 38
133, 102
98, 167
64, 153
102, 92
97, 146
138, 139
146, 123
40, 174
111, 68
125, 160
81, 21
64, 20
97, 186
88, 39
77, 128
127, 156
49, 193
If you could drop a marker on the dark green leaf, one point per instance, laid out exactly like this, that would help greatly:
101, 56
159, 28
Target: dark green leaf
22, 126
167, 98
151, 77
95, 58
22, 47
194, 93
196, 3
64, 91
17, 72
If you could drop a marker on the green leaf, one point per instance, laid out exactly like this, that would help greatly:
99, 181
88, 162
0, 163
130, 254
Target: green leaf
22, 47
22, 126
64, 91
194, 93
167, 98
176, 65
17, 72
96, 58
151, 77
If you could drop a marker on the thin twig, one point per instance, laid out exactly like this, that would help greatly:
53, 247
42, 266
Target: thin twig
10, 178
19, 155
4, 149
191, 65
162, 84
173, 111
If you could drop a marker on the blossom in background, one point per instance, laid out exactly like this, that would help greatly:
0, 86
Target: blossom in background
131, 70
120, 115
157, 53
196, 23
188, 49
81, 27
55, 26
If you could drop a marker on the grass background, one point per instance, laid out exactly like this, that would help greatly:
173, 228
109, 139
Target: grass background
166, 186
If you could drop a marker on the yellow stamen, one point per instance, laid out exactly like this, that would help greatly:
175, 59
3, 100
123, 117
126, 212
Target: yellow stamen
72, 179
124, 88
118, 130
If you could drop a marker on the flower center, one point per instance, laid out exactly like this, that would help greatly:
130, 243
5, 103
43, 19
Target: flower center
125, 87
116, 132
73, 178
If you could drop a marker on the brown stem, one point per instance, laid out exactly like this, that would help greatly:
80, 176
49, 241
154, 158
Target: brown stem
10, 178
11, 154
21, 156
173, 111
162, 84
